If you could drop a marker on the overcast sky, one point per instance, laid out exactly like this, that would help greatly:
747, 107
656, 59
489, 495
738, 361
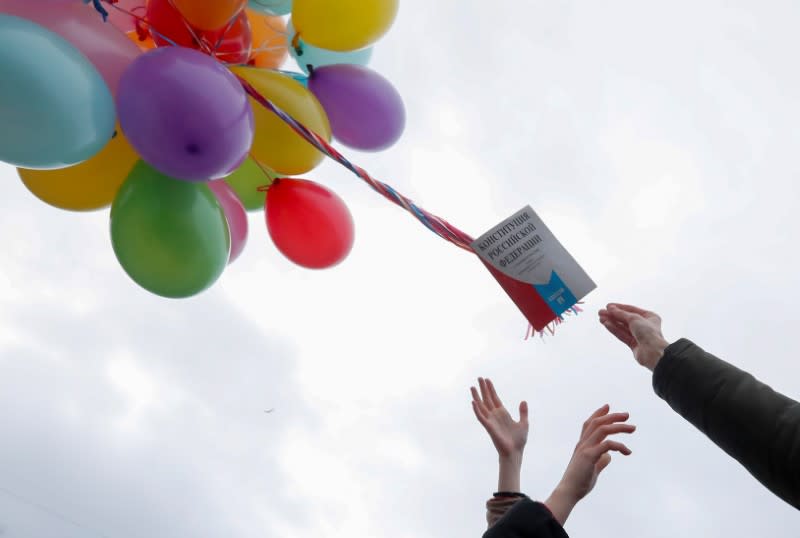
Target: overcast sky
657, 140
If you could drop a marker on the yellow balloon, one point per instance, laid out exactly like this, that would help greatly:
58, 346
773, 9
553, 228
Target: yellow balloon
87, 186
276, 145
343, 24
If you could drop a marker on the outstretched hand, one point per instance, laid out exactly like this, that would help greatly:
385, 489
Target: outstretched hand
638, 329
591, 456
509, 436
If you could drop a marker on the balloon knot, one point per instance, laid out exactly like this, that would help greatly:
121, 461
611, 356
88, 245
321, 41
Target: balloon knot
265, 188
141, 29
98, 5
296, 44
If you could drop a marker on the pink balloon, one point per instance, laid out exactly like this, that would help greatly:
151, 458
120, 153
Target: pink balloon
122, 18
235, 213
109, 50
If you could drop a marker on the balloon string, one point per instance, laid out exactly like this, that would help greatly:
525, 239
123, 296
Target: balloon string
272, 48
228, 27
142, 26
282, 30
272, 177
282, 37
435, 224
191, 31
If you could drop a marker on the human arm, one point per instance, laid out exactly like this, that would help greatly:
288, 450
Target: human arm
752, 423
590, 458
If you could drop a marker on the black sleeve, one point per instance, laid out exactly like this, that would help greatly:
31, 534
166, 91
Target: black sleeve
757, 426
527, 519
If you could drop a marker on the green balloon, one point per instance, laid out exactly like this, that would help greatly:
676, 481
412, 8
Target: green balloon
170, 236
245, 182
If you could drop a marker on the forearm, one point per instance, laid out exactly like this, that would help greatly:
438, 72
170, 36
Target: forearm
561, 503
509, 473
508, 481
757, 426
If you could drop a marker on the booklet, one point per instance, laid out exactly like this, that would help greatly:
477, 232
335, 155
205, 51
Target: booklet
533, 267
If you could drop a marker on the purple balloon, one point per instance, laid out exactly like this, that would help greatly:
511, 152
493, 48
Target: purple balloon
366, 112
185, 113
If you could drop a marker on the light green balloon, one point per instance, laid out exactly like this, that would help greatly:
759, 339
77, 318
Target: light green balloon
246, 181
308, 55
55, 108
170, 236
271, 7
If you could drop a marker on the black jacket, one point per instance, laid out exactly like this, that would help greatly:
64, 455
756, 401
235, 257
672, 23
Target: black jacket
527, 519
747, 419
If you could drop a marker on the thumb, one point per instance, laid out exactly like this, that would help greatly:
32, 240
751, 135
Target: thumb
602, 463
523, 412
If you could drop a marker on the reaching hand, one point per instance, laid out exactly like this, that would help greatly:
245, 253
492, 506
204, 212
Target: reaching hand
639, 329
509, 436
591, 456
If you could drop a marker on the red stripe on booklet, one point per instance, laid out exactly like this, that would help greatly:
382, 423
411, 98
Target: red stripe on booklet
527, 299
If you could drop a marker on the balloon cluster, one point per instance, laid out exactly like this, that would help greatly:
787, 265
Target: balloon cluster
157, 112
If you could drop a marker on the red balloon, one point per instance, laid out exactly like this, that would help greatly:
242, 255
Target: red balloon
309, 224
230, 45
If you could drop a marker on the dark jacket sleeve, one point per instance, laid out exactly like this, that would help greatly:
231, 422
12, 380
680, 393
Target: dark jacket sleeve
527, 519
757, 426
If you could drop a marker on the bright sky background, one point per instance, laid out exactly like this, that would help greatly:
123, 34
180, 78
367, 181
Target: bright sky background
659, 143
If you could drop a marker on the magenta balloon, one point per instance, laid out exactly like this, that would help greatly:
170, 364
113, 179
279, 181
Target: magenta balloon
234, 213
109, 50
364, 109
124, 17
185, 113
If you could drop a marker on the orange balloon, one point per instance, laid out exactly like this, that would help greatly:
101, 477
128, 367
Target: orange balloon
270, 42
145, 44
209, 14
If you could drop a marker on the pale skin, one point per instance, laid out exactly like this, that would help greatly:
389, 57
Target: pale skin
637, 328
509, 436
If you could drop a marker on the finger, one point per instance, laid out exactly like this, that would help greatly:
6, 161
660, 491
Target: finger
477, 399
621, 331
631, 308
475, 396
605, 459
607, 446
493, 394
603, 420
486, 422
622, 316
599, 413
479, 404
611, 429
631, 313
487, 400
523, 412
479, 415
